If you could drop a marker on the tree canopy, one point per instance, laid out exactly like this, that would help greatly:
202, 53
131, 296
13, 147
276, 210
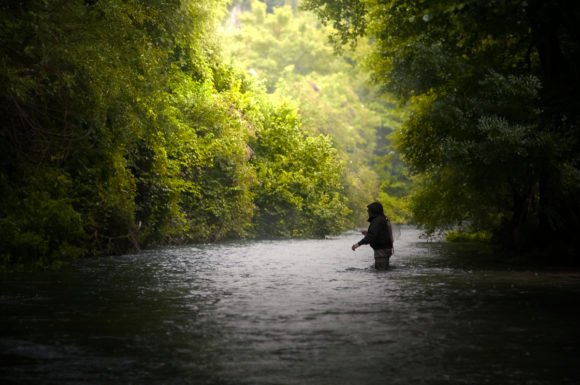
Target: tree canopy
133, 123
493, 88
124, 126
288, 52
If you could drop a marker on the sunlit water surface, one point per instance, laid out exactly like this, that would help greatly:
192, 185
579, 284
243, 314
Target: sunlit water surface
291, 312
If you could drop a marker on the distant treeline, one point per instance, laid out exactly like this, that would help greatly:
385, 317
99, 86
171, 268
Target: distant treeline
122, 126
288, 53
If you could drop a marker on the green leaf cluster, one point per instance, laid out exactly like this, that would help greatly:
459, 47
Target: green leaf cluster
299, 192
124, 127
288, 52
492, 127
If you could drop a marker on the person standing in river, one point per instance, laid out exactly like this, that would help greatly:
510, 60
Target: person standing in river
379, 236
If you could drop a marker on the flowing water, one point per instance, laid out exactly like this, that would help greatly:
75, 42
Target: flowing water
292, 312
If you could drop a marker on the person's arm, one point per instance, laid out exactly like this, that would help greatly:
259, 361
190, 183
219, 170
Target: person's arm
369, 236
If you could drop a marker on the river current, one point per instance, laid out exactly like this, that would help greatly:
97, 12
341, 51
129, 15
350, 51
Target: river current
292, 312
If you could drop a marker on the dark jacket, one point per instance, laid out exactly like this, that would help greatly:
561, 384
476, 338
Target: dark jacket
379, 234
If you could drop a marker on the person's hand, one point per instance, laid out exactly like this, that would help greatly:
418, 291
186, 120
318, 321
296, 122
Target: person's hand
364, 232
355, 246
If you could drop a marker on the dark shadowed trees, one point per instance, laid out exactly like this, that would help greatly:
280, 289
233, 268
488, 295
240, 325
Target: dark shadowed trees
493, 135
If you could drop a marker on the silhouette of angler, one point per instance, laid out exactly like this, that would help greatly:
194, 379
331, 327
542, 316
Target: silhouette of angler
379, 236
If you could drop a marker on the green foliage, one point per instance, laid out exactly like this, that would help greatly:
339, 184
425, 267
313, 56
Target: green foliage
124, 127
268, 43
492, 134
43, 229
474, 151
287, 51
217, 176
87, 103
347, 18
457, 236
299, 191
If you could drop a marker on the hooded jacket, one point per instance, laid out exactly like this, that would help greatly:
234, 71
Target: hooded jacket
379, 234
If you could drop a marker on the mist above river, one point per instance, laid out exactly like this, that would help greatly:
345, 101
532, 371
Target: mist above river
291, 312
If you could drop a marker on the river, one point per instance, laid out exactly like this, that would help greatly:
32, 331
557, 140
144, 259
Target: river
292, 312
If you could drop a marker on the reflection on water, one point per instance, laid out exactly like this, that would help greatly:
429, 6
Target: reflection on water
291, 312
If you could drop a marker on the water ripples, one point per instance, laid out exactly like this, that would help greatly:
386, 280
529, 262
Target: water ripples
291, 312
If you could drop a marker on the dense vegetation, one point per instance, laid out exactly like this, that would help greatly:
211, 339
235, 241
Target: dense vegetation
493, 134
123, 126
289, 54
132, 123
